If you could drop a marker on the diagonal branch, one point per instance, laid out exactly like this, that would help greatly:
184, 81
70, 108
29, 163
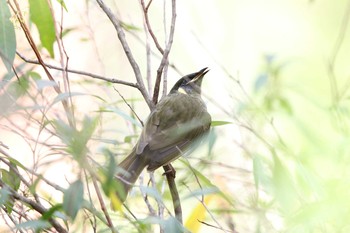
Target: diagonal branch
165, 60
128, 53
96, 76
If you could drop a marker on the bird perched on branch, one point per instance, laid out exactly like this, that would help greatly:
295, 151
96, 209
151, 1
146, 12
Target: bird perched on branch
176, 123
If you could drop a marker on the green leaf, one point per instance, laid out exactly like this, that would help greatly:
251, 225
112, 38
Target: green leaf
219, 123
11, 178
41, 16
51, 212
64, 96
4, 195
62, 4
76, 140
122, 114
7, 36
34, 225
73, 199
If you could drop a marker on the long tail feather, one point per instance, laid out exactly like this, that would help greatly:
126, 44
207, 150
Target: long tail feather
130, 169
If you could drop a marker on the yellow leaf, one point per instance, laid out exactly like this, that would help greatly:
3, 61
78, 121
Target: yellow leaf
198, 213
116, 204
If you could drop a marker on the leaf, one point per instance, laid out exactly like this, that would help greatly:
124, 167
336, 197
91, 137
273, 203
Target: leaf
260, 82
41, 84
124, 115
63, 4
73, 199
41, 16
10, 177
33, 225
64, 96
219, 123
7, 36
198, 213
51, 212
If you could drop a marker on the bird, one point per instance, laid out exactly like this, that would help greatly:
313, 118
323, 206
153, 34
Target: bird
178, 122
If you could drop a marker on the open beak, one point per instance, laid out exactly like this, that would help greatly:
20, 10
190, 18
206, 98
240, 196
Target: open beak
199, 75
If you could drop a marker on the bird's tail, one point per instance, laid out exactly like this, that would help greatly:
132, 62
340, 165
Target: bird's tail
130, 169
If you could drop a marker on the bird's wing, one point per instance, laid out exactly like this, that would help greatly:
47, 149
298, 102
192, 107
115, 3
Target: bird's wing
176, 120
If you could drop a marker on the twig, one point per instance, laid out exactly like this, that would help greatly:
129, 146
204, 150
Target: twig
36, 206
170, 176
210, 225
148, 25
128, 52
164, 60
32, 44
102, 204
96, 76
133, 111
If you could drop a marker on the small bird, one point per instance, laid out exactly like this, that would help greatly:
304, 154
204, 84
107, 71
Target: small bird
178, 120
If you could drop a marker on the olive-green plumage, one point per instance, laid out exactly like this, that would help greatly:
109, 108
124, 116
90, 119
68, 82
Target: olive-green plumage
178, 120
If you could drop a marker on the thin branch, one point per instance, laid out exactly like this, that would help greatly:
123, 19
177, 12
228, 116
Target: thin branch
95, 76
164, 60
127, 51
32, 44
102, 204
148, 25
170, 176
36, 206
133, 111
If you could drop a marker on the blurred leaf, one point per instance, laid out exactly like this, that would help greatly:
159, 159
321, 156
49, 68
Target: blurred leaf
261, 177
203, 192
41, 84
284, 190
73, 199
76, 140
19, 88
64, 96
129, 27
41, 16
122, 114
219, 123
51, 212
5, 199
11, 178
260, 82
34, 75
198, 213
7, 36
62, 4
35, 225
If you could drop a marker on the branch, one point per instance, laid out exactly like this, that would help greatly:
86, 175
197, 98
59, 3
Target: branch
148, 25
96, 76
169, 172
31, 42
164, 60
127, 51
36, 206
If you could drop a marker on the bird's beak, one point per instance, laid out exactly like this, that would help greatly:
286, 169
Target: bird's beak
199, 75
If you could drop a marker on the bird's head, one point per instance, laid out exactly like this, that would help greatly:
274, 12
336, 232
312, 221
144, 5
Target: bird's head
191, 83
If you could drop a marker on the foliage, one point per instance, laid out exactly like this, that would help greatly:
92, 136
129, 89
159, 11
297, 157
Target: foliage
277, 161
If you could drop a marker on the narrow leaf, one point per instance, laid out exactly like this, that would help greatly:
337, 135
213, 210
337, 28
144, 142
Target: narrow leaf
7, 36
41, 16
73, 199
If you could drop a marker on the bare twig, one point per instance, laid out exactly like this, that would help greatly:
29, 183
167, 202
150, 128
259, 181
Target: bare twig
164, 60
95, 76
32, 44
102, 204
126, 102
127, 51
170, 176
33, 204
148, 25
